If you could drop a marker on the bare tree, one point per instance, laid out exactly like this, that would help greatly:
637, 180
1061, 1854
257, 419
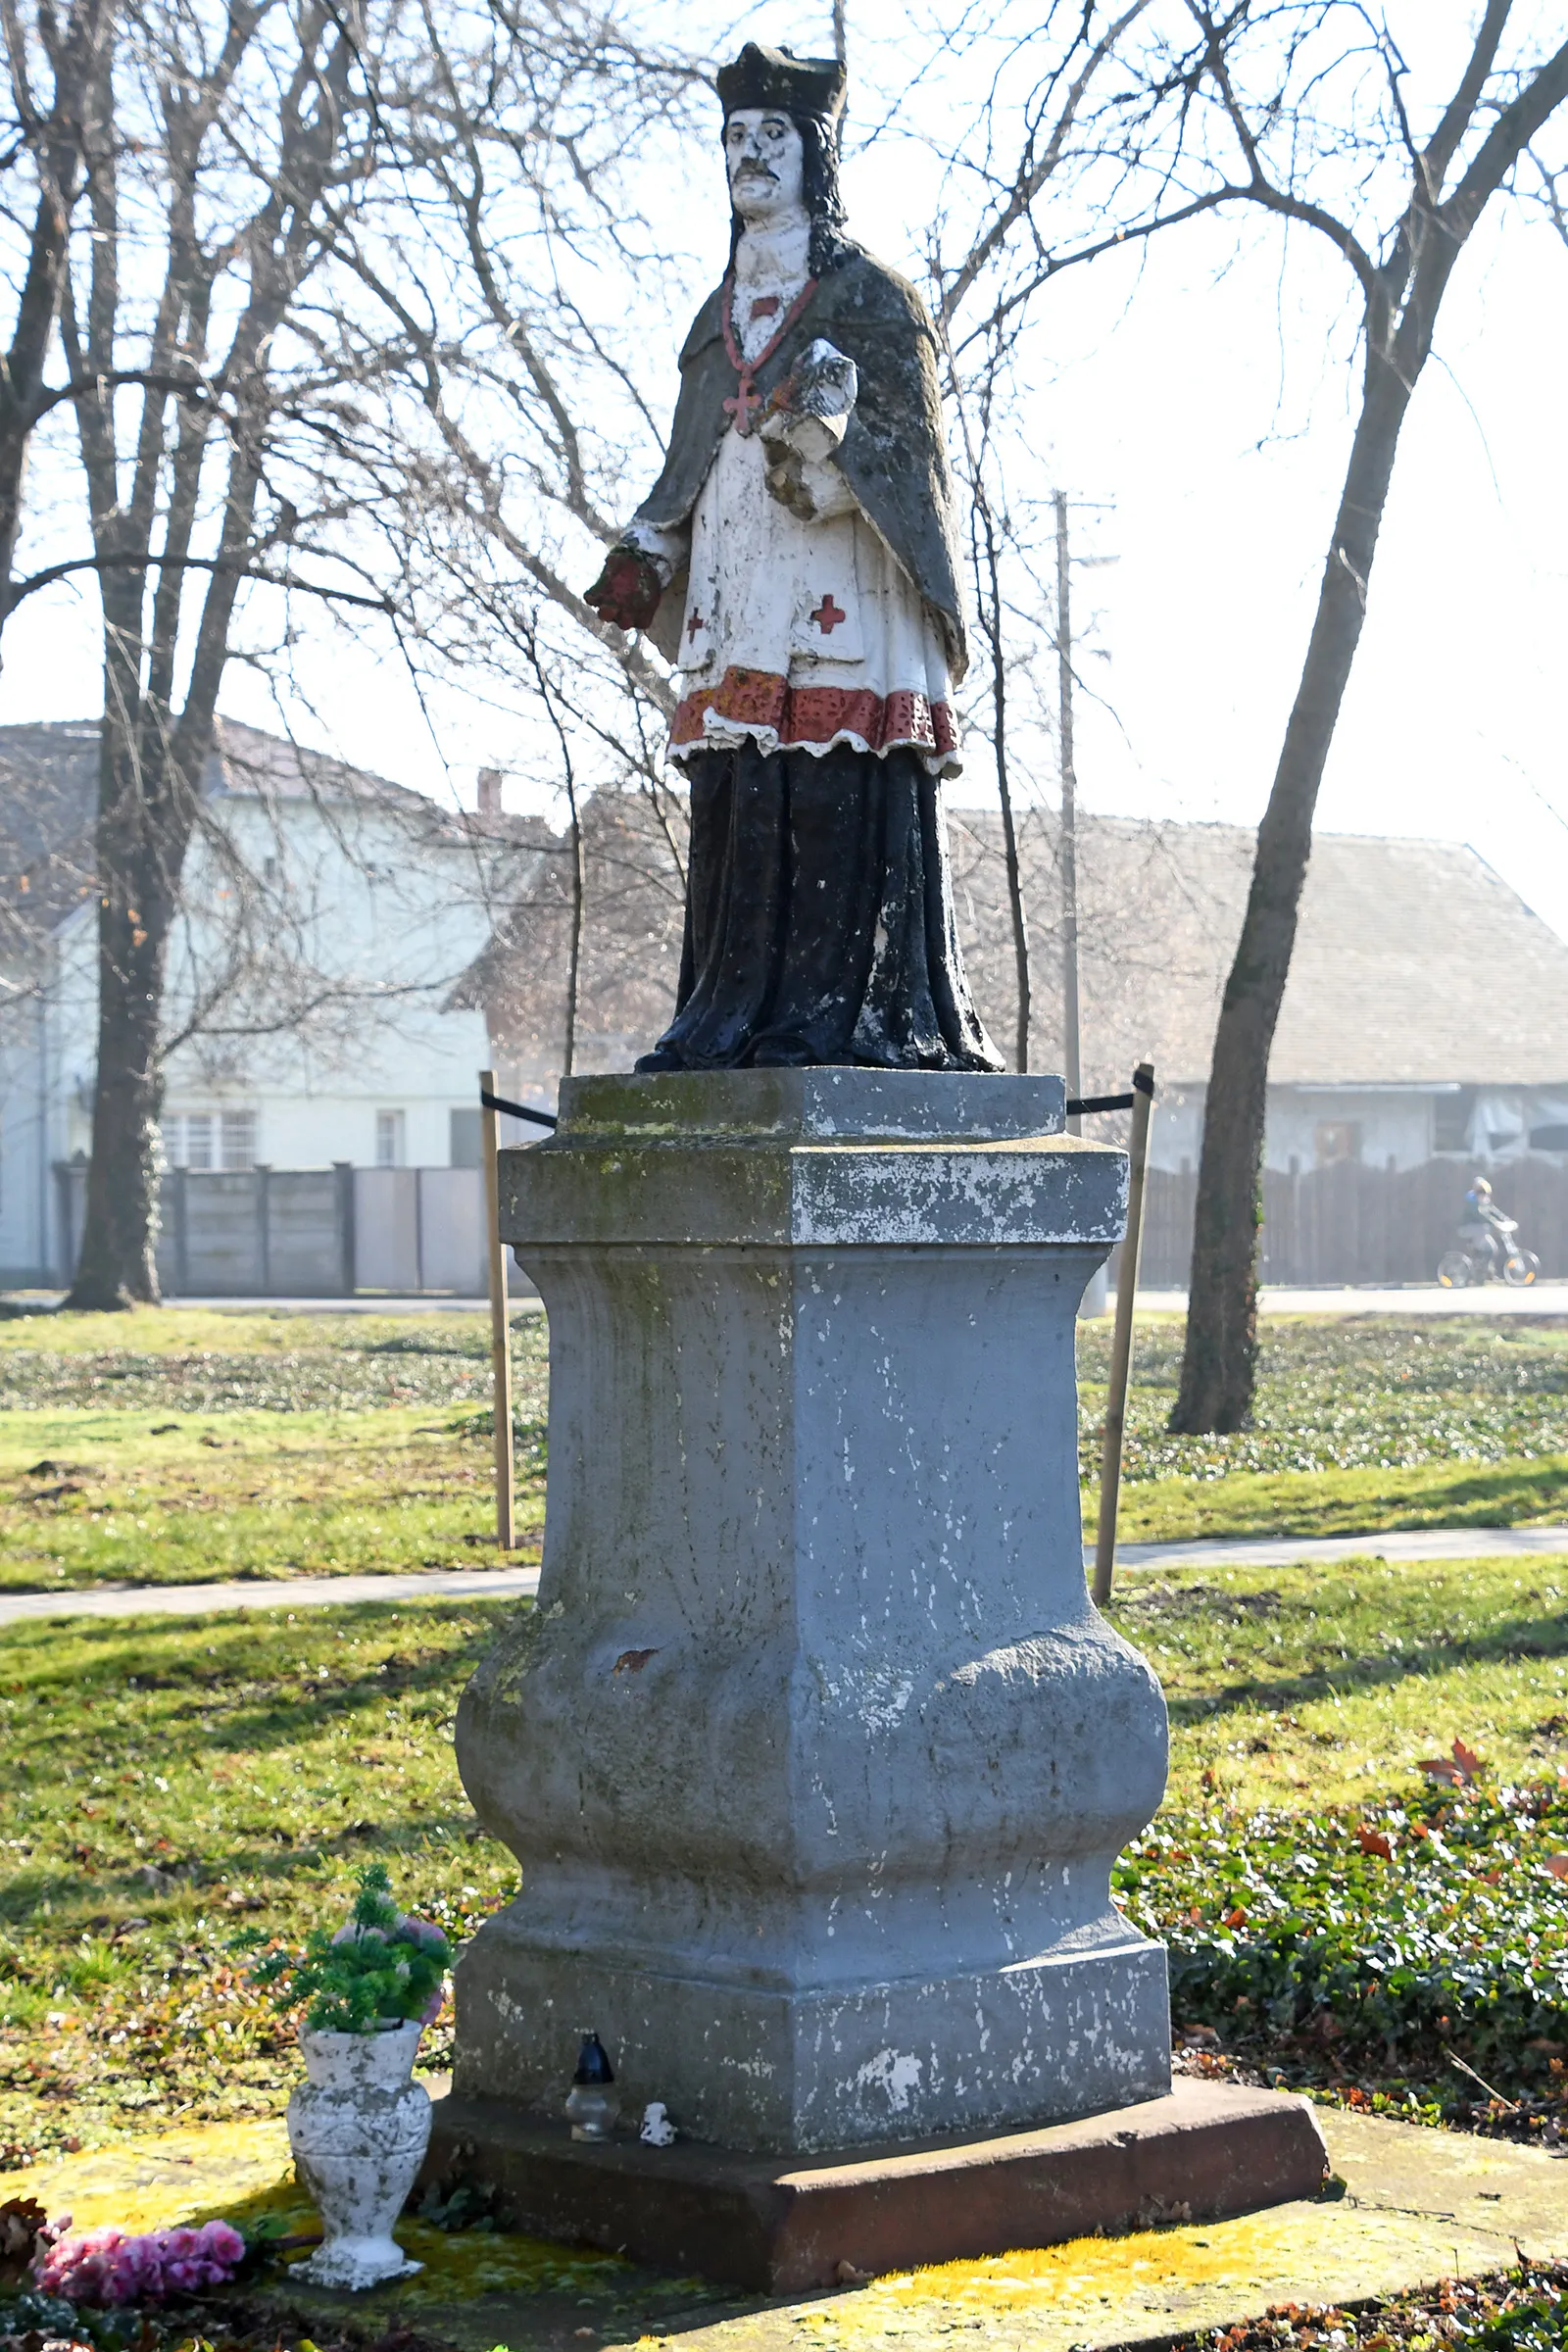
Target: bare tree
1308, 112
503, 270
1453, 170
236, 130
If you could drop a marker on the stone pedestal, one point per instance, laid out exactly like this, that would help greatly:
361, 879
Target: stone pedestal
813, 1753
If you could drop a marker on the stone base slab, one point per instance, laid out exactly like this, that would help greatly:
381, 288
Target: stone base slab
1204, 2153
795, 2073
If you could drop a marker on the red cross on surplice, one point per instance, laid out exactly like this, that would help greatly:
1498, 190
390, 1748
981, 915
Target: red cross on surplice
828, 616
695, 623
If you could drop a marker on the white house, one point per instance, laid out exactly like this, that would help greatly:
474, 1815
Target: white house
327, 918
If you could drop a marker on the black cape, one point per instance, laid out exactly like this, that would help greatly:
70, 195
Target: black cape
819, 914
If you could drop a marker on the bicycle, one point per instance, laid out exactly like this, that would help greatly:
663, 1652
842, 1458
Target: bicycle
1476, 1262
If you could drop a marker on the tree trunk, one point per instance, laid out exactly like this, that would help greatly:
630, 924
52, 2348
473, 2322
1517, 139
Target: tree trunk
151, 761
1218, 1362
143, 832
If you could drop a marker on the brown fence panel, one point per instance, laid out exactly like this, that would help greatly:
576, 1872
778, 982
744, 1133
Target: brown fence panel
1349, 1223
1169, 1196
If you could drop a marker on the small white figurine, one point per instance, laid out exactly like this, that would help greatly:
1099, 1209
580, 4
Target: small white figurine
657, 2129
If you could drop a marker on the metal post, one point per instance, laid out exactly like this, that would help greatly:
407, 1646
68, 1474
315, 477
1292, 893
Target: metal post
1121, 1346
499, 1338
1071, 1064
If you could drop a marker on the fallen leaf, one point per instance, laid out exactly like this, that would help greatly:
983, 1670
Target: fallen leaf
1557, 1864
1460, 1768
1373, 1841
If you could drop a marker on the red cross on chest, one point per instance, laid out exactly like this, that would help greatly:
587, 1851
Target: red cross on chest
828, 615
744, 407
693, 626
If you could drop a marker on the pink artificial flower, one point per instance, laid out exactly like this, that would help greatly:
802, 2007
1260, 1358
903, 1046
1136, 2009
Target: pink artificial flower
105, 2265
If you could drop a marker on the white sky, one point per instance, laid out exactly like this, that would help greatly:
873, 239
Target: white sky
1200, 399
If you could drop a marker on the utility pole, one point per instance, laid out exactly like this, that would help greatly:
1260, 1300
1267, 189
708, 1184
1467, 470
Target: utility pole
841, 50
1071, 1066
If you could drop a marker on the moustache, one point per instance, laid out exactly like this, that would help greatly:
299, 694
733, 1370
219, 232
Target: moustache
752, 169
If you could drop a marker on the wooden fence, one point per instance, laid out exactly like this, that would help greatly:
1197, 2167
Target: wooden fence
1357, 1224
305, 1233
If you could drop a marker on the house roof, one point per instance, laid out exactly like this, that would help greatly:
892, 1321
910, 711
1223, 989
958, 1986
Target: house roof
49, 792
1414, 965
1418, 963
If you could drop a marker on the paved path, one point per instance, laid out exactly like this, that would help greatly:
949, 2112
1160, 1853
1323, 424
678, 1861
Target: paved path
280, 1592
1412, 1298
1411, 1544
494, 1584
1548, 1299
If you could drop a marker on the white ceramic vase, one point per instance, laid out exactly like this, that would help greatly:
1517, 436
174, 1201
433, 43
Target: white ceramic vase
358, 2127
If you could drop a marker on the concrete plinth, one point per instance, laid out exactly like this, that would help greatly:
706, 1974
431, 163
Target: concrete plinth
1204, 2153
813, 1753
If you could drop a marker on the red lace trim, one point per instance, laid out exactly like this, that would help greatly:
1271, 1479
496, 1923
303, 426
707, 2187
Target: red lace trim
802, 715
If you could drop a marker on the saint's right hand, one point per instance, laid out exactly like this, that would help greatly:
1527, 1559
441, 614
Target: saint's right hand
628, 591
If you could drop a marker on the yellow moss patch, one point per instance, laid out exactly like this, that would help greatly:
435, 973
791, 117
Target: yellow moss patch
1185, 2275
168, 2177
243, 2171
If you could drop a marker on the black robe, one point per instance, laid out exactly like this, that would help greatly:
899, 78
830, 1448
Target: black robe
820, 919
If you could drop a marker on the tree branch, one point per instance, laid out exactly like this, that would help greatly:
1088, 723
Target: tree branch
226, 566
1459, 113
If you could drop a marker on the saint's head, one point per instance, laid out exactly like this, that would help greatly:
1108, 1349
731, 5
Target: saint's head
781, 146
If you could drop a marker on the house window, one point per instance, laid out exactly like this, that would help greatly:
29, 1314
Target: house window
238, 1133
1337, 1139
1451, 1119
191, 1140
466, 1136
389, 1138
210, 1138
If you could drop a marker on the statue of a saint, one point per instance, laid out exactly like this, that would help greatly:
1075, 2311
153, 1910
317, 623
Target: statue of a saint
797, 560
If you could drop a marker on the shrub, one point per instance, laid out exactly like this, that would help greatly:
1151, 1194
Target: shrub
1397, 1934
382, 1969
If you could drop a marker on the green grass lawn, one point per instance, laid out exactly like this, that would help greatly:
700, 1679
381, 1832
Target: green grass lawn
89, 1498
181, 1446
168, 1782
1361, 1423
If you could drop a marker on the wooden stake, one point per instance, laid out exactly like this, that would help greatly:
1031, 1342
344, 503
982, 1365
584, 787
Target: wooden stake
499, 1338
1121, 1347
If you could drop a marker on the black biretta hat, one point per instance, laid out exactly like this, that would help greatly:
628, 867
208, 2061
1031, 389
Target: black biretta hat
796, 86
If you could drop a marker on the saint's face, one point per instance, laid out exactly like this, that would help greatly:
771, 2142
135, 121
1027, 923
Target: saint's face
765, 159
